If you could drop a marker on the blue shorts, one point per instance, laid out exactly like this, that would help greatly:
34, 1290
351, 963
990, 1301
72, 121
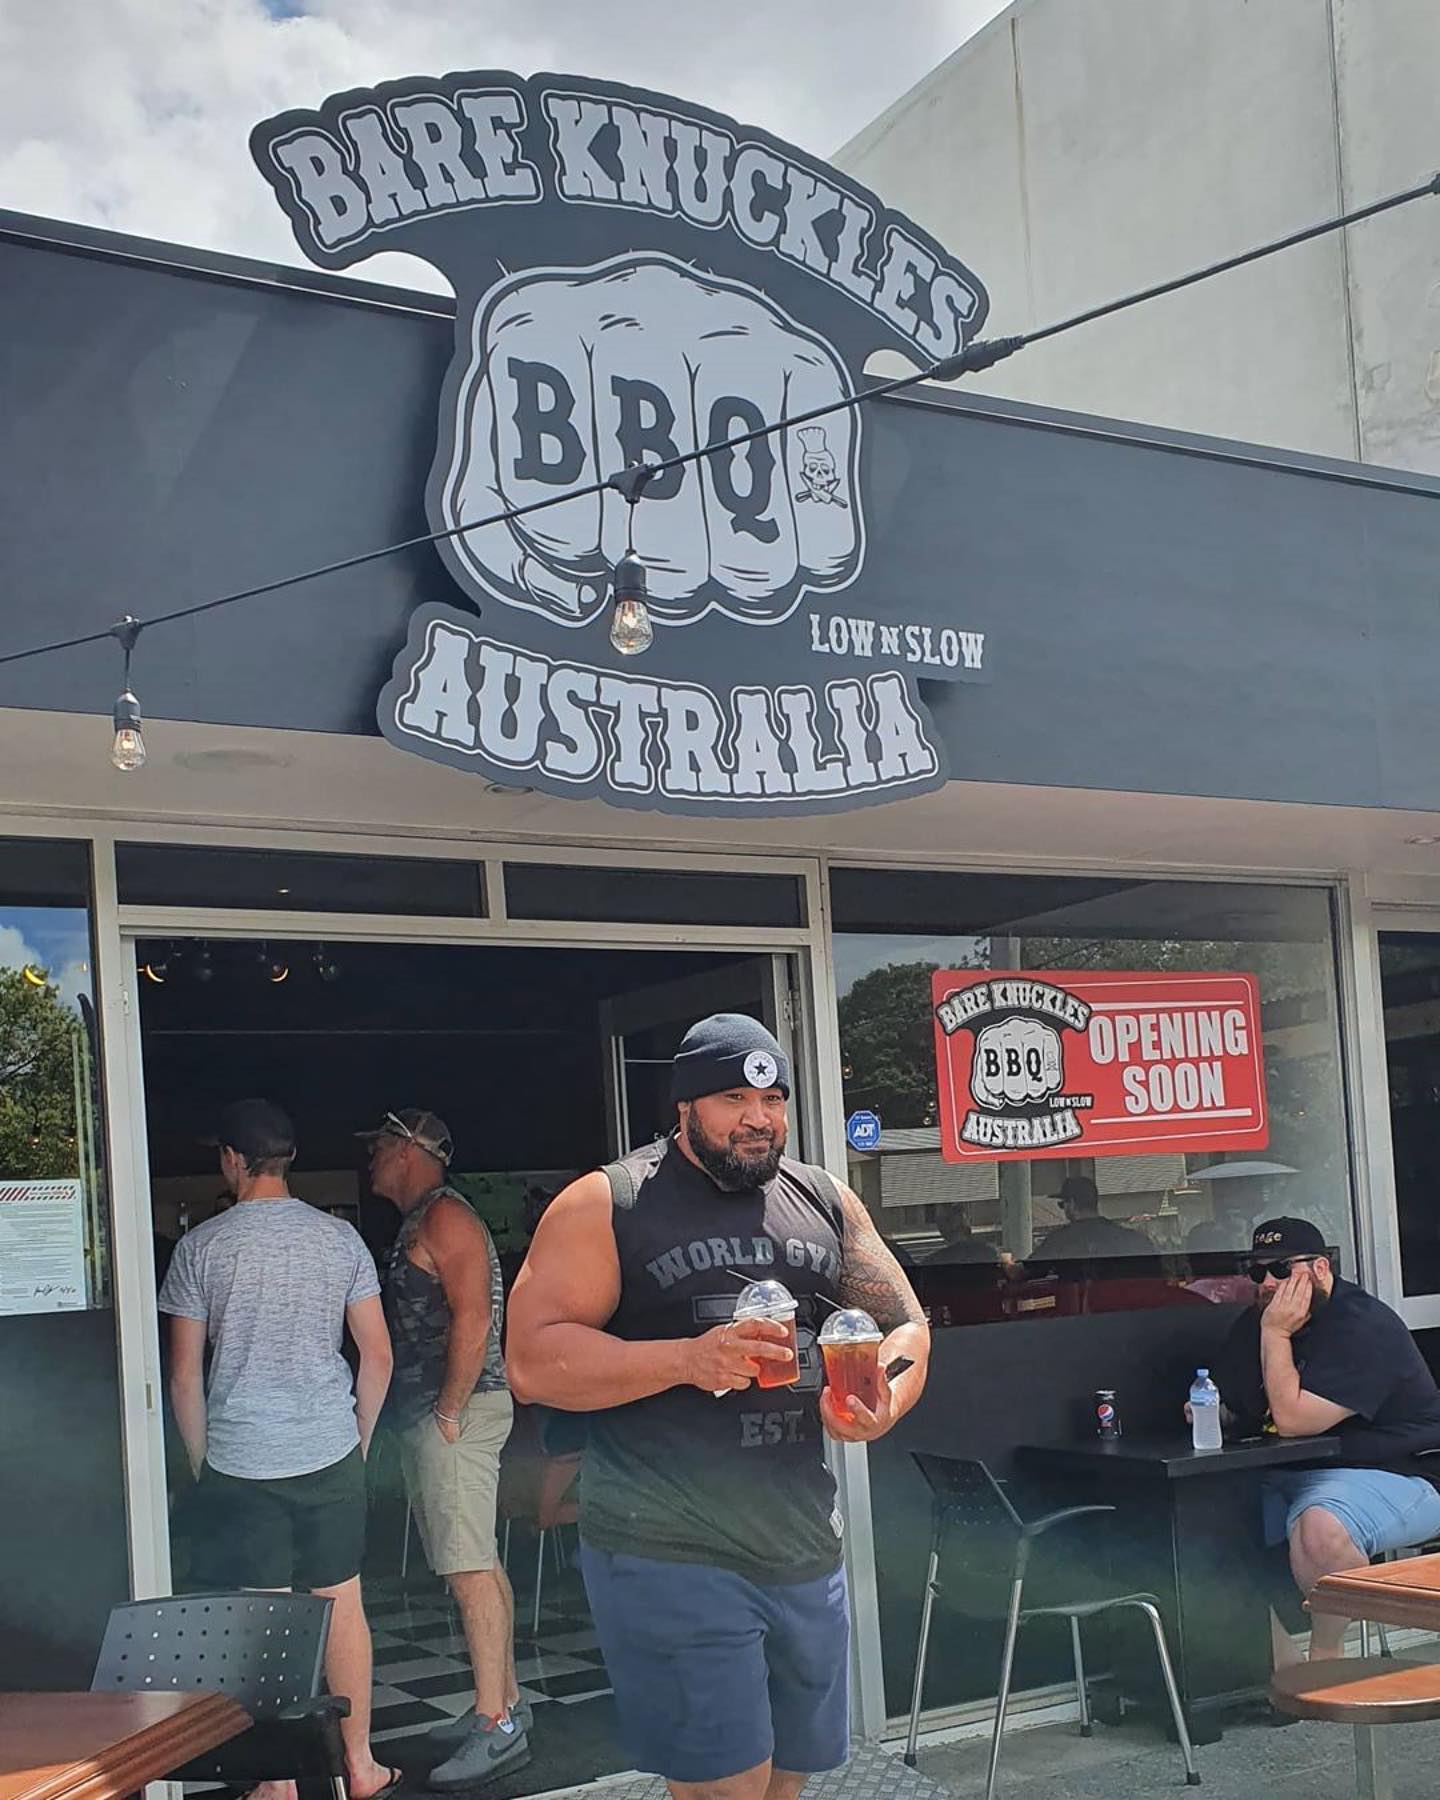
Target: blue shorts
714, 1675
1379, 1509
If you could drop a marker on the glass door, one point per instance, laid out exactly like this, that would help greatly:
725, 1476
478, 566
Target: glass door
1410, 1001
642, 1031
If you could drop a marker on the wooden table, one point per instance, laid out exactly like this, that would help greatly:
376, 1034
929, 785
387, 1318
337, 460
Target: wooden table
1189, 1534
1398, 1593
105, 1746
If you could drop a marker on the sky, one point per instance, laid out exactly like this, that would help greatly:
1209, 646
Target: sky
52, 939
134, 114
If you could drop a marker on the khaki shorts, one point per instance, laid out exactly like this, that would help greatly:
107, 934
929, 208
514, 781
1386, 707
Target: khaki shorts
452, 1487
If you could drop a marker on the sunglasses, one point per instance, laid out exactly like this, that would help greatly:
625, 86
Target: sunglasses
394, 1127
1282, 1268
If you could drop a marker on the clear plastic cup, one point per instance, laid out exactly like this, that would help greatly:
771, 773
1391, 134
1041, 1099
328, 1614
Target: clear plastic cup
772, 1300
850, 1343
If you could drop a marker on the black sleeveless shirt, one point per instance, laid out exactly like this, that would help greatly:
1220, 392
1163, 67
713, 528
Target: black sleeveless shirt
738, 1482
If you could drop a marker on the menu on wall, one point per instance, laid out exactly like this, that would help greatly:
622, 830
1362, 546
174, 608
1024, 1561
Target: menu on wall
42, 1246
1069, 1063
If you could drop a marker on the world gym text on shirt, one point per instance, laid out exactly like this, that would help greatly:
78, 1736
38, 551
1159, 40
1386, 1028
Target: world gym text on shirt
636, 277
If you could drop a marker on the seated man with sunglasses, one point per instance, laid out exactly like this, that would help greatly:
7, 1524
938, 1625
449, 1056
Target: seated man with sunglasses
1320, 1355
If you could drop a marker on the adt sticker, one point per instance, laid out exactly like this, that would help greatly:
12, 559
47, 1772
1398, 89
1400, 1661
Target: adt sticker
862, 1130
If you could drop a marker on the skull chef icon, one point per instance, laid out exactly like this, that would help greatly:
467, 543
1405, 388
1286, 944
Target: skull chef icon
819, 477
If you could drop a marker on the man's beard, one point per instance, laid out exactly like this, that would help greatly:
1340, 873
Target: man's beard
736, 1170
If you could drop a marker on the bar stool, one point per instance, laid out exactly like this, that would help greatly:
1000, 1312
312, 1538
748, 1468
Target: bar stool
964, 1493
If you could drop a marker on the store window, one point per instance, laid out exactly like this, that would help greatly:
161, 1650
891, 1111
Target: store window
63, 1555
1125, 1077
54, 1234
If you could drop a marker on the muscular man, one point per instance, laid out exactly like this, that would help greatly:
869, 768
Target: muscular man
1319, 1355
277, 1439
710, 1539
450, 1405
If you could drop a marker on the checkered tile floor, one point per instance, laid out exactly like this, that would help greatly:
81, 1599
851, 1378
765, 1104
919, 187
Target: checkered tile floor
422, 1674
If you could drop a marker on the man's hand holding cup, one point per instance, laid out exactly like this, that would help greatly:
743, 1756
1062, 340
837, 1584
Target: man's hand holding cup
727, 1357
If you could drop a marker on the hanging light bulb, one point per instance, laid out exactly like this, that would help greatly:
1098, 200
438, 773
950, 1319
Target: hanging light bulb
35, 975
326, 966
630, 629
37, 1133
128, 751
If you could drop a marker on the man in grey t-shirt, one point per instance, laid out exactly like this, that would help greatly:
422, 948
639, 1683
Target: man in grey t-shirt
277, 1438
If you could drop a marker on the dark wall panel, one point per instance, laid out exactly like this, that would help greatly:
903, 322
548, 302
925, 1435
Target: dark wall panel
1162, 614
63, 1553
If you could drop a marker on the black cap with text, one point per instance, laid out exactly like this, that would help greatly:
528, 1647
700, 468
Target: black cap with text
1275, 1239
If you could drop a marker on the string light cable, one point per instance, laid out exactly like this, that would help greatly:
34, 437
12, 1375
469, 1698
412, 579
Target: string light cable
631, 621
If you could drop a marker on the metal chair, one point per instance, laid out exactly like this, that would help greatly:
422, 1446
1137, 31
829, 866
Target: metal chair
965, 1494
265, 1650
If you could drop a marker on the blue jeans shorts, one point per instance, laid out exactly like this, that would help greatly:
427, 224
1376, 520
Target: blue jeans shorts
714, 1675
1379, 1509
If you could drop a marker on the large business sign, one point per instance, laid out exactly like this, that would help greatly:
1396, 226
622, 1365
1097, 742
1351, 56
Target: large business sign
1059, 1062
636, 277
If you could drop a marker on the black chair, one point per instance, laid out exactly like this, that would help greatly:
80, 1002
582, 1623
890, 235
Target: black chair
966, 1495
265, 1650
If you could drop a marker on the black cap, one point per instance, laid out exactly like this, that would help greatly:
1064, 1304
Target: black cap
258, 1129
1080, 1190
728, 1050
1275, 1239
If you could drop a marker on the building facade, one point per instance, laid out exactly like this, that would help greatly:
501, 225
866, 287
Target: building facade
1085, 150
1196, 754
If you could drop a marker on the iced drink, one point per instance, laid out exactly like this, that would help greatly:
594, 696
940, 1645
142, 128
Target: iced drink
772, 1300
850, 1343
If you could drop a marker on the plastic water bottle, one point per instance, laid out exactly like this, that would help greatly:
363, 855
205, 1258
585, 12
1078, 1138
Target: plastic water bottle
1205, 1432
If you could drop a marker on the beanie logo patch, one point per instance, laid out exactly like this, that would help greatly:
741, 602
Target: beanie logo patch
761, 1069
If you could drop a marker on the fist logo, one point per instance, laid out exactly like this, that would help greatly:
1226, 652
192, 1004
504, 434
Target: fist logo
574, 375
1017, 1062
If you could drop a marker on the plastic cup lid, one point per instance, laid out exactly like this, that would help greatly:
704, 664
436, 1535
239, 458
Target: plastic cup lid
766, 1300
852, 1326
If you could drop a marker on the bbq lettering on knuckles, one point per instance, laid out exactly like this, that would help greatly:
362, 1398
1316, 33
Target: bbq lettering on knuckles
637, 278
574, 376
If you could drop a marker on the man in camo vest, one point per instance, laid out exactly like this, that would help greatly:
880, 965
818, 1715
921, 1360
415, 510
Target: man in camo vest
450, 1405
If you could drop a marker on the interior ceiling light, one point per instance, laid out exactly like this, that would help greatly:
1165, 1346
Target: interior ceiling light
35, 975
274, 968
202, 967
155, 972
326, 966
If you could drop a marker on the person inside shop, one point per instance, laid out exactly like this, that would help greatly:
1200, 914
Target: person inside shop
1318, 1355
278, 1437
450, 1408
959, 1242
710, 1542
1086, 1231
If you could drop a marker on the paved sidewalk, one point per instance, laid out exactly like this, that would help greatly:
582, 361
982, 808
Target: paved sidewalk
1134, 1762
872, 1774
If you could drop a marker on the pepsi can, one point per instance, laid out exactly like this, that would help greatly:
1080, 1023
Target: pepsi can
1107, 1414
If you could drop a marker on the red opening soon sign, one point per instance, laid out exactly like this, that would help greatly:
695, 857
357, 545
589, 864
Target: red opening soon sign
1061, 1062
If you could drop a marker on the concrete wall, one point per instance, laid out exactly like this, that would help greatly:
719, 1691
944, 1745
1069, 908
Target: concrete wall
1078, 149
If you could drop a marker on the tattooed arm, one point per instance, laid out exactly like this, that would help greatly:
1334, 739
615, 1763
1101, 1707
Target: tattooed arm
871, 1278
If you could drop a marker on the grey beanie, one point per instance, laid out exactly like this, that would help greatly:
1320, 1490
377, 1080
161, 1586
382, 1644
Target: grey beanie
728, 1050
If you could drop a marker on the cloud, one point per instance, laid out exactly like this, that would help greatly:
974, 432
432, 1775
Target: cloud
134, 114
71, 978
